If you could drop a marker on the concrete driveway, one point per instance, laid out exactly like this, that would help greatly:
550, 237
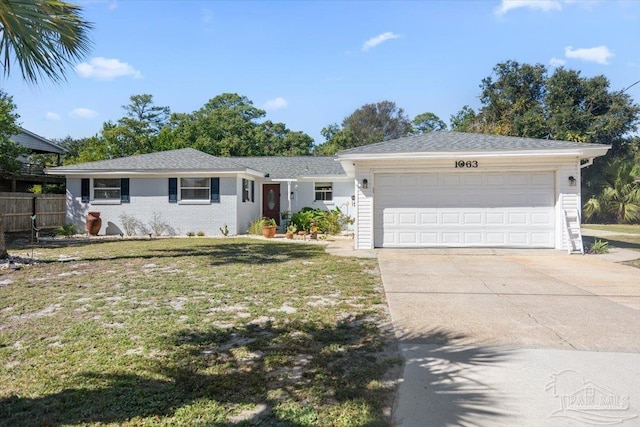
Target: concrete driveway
506, 337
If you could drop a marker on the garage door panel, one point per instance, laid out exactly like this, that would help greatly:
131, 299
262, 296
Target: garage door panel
474, 238
449, 238
472, 218
429, 238
458, 209
428, 218
408, 237
407, 219
449, 218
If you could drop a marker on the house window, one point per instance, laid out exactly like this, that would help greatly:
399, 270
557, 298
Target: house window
248, 190
195, 189
324, 191
106, 188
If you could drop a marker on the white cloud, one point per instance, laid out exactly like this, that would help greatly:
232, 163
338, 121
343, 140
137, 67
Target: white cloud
275, 104
83, 113
51, 116
599, 54
543, 5
557, 62
106, 69
375, 41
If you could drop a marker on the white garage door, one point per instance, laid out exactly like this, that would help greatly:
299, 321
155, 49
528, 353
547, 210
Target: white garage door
509, 209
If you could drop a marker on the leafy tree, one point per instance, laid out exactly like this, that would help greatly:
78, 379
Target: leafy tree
377, 122
522, 100
586, 110
43, 37
9, 150
336, 139
428, 122
513, 100
135, 133
614, 193
224, 126
368, 124
464, 120
228, 125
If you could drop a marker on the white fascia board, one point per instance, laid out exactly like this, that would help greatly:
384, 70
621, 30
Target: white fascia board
586, 152
142, 173
325, 178
283, 179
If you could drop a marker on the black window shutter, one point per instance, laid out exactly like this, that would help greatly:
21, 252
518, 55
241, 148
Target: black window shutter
215, 190
253, 191
124, 190
86, 190
173, 190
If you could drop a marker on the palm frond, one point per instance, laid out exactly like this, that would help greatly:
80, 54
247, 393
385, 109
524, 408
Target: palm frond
43, 37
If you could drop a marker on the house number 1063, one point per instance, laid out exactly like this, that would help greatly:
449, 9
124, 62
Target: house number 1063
467, 164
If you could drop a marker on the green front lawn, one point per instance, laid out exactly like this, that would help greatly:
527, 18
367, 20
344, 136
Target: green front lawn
193, 332
615, 228
629, 240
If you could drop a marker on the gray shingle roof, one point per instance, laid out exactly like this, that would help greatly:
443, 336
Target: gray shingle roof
461, 141
293, 167
36, 143
185, 159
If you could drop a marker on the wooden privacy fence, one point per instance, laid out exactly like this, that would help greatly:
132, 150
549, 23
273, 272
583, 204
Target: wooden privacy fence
17, 209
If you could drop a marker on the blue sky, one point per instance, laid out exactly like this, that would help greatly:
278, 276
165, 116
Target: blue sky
310, 64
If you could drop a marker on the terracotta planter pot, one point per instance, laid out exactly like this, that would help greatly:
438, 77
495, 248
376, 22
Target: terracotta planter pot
289, 235
269, 231
94, 222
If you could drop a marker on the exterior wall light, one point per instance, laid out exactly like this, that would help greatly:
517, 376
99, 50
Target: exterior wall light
572, 181
365, 183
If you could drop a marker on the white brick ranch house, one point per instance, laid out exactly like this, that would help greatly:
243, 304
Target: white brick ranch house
441, 189
193, 191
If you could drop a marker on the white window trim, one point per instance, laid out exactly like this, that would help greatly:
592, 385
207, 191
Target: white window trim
101, 201
324, 191
206, 201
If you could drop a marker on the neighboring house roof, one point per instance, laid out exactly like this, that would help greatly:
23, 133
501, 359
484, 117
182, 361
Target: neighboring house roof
183, 160
294, 167
36, 143
462, 142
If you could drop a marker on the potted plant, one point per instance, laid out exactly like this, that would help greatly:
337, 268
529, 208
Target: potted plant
268, 227
291, 230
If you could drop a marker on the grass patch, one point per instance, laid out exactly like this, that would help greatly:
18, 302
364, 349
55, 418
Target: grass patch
615, 228
193, 332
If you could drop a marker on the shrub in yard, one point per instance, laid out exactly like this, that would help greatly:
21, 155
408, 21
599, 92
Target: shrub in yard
131, 225
200, 233
159, 226
328, 222
599, 247
67, 230
256, 227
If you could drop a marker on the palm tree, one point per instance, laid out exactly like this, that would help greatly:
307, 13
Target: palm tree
617, 193
43, 37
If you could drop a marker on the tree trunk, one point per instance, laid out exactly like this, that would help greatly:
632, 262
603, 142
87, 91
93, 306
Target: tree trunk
3, 245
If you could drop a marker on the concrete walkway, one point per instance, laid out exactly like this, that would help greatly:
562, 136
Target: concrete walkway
506, 338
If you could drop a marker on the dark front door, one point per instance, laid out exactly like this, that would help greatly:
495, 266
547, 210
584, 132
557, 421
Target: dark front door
271, 201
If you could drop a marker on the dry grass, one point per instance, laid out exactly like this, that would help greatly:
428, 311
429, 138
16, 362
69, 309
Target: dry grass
193, 332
